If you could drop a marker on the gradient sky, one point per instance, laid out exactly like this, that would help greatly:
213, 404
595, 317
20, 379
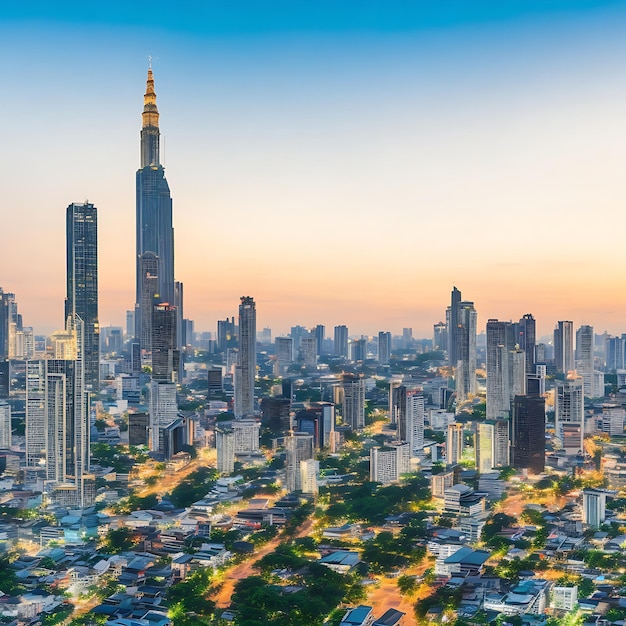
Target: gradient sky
341, 162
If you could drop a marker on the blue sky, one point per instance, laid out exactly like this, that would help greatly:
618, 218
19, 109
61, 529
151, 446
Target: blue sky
401, 144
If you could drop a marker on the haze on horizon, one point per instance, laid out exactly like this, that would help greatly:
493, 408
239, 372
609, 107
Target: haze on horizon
340, 165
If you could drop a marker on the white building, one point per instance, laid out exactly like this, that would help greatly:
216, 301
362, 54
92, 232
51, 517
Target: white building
247, 435
225, 445
388, 463
5, 425
300, 447
454, 444
594, 507
569, 414
309, 471
163, 410
564, 598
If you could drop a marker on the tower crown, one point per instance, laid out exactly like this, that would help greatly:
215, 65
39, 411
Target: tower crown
150, 115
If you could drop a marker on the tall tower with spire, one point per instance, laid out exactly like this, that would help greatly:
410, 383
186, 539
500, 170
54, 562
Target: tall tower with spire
155, 234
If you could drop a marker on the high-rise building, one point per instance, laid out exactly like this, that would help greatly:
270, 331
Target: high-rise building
528, 426
454, 443
246, 366
389, 463
384, 347
517, 370
155, 234
165, 355
226, 334
5, 425
452, 317
308, 352
284, 354
613, 419
527, 341
594, 507
585, 358
353, 414
320, 334
225, 445
466, 351
57, 415
82, 283
409, 411
614, 354
358, 349
247, 435
309, 471
10, 322
440, 336
163, 411
5, 379
491, 445
299, 448
341, 341
564, 346
569, 423
498, 348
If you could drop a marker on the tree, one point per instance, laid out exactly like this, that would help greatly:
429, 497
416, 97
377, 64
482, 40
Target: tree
118, 540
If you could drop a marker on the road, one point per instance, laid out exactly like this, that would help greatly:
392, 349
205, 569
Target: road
245, 569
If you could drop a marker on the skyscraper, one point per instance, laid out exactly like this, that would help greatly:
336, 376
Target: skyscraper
155, 233
452, 316
528, 340
528, 433
149, 296
246, 366
299, 448
341, 341
569, 422
353, 386
465, 347
497, 368
384, 347
82, 283
564, 346
584, 358
165, 355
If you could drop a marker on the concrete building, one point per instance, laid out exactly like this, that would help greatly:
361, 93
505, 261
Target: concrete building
225, 445
613, 419
353, 409
569, 414
389, 463
455, 443
299, 448
245, 373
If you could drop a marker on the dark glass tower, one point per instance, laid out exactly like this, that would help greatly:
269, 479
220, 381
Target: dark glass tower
528, 433
82, 283
155, 234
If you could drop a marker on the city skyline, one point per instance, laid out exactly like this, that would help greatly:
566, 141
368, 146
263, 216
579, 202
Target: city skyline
311, 134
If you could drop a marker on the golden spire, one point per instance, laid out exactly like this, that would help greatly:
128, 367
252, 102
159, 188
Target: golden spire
150, 113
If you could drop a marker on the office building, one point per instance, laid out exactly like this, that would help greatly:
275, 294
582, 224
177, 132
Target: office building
309, 471
163, 411
613, 419
245, 372
594, 507
82, 283
528, 427
247, 435
319, 333
225, 445
299, 448
353, 409
284, 354
5, 379
10, 323
491, 445
215, 380
308, 352
341, 341
569, 414
318, 419
527, 341
409, 414
139, 429
165, 355
389, 463
154, 229
226, 334
384, 347
358, 349
585, 358
276, 413
564, 346
5, 425
465, 347
452, 317
454, 443
57, 416
149, 296
497, 356
440, 336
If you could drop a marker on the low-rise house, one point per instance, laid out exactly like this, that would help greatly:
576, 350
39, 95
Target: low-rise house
341, 561
528, 597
